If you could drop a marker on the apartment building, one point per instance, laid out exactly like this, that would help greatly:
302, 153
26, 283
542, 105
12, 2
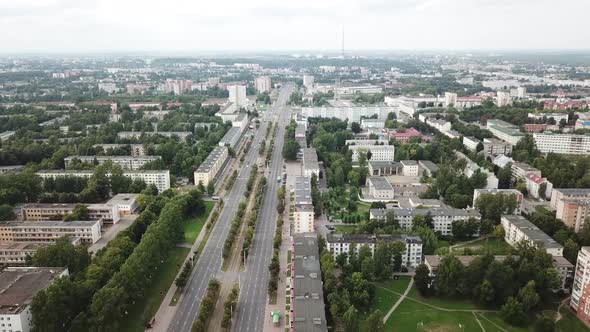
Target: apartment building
372, 123
410, 168
237, 95
495, 147
534, 184
341, 243
555, 116
49, 231
307, 297
562, 143
505, 131
377, 152
352, 114
211, 166
439, 124
303, 215
518, 196
404, 137
231, 138
263, 84
161, 178
522, 170
380, 188
241, 121
518, 229
11, 169
503, 98
126, 162
471, 168
310, 162
19, 286
183, 135
572, 206
580, 299
56, 211
443, 217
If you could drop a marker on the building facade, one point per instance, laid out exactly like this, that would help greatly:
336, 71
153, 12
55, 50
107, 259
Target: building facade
211, 166
518, 228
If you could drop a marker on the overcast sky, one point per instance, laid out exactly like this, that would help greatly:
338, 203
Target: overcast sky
267, 25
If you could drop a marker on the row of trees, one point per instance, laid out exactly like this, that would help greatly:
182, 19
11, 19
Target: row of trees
234, 229
229, 307
274, 267
207, 306
251, 227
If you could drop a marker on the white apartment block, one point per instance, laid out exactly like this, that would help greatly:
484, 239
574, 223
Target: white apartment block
522, 170
303, 215
534, 184
503, 98
471, 168
263, 84
161, 178
310, 162
471, 142
237, 95
209, 168
450, 99
231, 137
50, 231
443, 217
440, 125
126, 162
380, 188
580, 299
562, 143
353, 114
373, 123
556, 116
308, 82
518, 196
378, 152
19, 286
505, 131
183, 135
341, 243
241, 121
410, 168
56, 211
518, 229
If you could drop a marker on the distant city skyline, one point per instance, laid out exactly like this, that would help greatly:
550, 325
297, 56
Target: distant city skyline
67, 26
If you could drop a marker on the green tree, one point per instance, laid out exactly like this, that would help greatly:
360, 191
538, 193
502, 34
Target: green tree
290, 150
6, 212
350, 319
528, 296
544, 323
570, 250
448, 276
374, 322
485, 292
422, 279
512, 312
355, 127
80, 212
210, 188
63, 253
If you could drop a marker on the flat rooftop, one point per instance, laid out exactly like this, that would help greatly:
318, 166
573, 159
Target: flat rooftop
533, 232
380, 183
370, 238
122, 199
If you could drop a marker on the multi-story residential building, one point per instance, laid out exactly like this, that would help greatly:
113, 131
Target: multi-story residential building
136, 150
124, 203
56, 211
308, 82
372, 123
471, 168
562, 143
380, 188
307, 297
353, 113
443, 218
241, 121
263, 84
231, 138
158, 115
310, 162
505, 131
427, 168
450, 99
211, 166
237, 95
11, 169
555, 116
347, 91
19, 286
535, 183
439, 124
126, 162
572, 206
518, 229
410, 168
503, 98
580, 299
341, 243
161, 178
178, 87
377, 152
108, 87
183, 135
468, 102
520, 171
518, 196
495, 147
49, 231
471, 142
303, 215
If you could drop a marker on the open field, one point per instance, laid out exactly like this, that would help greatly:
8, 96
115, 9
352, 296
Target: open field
493, 245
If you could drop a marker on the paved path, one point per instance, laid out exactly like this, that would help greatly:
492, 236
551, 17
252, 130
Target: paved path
399, 301
111, 232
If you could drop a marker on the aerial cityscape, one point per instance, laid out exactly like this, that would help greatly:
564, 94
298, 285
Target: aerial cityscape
205, 179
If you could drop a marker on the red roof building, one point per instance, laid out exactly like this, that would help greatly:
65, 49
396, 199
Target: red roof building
404, 137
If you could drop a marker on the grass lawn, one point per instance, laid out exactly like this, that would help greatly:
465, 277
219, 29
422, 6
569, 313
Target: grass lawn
569, 322
193, 226
345, 229
413, 316
146, 308
494, 245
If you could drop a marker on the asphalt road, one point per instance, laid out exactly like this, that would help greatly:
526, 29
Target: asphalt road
250, 311
209, 264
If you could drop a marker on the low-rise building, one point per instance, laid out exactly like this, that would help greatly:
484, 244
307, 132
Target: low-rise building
520, 171
384, 168
518, 229
380, 188
572, 206
211, 166
303, 215
376, 152
241, 121
545, 116
471, 168
562, 143
443, 218
404, 136
183, 135
410, 168
56, 211
373, 123
231, 138
471, 143
126, 162
19, 286
495, 147
538, 187
16, 253
307, 297
341, 243
440, 125
11, 169
310, 162
124, 203
49, 231
161, 178
427, 167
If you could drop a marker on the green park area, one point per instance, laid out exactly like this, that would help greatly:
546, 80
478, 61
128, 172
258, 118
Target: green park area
493, 245
193, 226
434, 314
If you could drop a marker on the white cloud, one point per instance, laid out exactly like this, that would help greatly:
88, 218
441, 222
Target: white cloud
183, 25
